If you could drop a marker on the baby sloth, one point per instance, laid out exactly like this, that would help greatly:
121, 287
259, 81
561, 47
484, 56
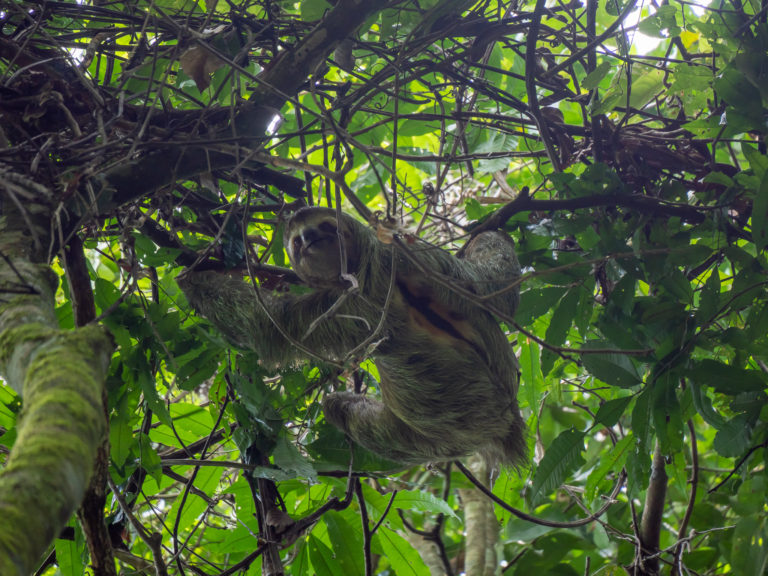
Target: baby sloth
448, 374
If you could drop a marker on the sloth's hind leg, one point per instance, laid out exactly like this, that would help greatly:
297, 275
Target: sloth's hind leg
373, 425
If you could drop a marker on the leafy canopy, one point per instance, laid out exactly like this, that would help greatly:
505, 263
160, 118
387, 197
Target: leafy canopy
622, 146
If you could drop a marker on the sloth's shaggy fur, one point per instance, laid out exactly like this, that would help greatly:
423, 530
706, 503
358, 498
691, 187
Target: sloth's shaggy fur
448, 374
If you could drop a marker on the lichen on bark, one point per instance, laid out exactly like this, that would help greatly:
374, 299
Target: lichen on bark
60, 376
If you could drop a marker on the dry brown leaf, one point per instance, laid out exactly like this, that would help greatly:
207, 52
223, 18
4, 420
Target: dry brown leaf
199, 64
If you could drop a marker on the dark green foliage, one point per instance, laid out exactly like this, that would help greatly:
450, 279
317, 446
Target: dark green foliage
643, 315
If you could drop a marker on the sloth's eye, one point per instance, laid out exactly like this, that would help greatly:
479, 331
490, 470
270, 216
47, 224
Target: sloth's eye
327, 227
296, 245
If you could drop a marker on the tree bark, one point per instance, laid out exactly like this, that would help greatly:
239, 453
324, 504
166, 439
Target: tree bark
653, 511
91, 512
59, 376
282, 79
481, 525
429, 552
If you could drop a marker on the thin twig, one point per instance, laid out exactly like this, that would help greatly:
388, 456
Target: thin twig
677, 568
540, 521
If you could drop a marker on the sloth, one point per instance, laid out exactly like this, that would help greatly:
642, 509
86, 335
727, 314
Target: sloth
448, 375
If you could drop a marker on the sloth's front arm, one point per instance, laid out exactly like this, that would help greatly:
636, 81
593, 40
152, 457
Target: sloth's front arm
269, 323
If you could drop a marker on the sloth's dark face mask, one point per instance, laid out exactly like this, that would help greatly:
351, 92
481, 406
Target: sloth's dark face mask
313, 241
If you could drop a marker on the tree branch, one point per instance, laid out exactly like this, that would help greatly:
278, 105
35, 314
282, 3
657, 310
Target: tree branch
91, 512
653, 512
525, 203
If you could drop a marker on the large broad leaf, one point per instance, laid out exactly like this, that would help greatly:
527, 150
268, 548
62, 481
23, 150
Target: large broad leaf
402, 557
703, 406
732, 439
593, 78
331, 450
378, 505
709, 301
312, 10
760, 215
646, 87
609, 413
423, 501
69, 555
749, 554
530, 373
322, 557
726, 379
612, 462
537, 302
612, 368
346, 540
290, 460
559, 325
562, 458
641, 418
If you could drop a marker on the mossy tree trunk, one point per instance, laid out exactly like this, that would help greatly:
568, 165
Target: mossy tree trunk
59, 376
481, 525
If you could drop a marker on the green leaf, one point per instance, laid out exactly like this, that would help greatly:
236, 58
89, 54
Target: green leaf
709, 301
561, 458
148, 457
537, 302
726, 379
666, 413
530, 372
613, 461
614, 7
404, 560
749, 554
678, 285
593, 79
614, 369
719, 178
105, 294
69, 558
638, 465
612, 98
322, 557
662, 24
193, 373
378, 504
120, 439
760, 215
192, 418
330, 449
562, 317
701, 559
150, 254
312, 10
609, 412
475, 210
733, 438
423, 501
646, 87
745, 103
703, 406
641, 418
346, 538
559, 325
149, 389
757, 161
237, 540
757, 321
288, 458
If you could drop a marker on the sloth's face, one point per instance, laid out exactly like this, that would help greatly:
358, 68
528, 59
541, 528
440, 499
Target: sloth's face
313, 243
